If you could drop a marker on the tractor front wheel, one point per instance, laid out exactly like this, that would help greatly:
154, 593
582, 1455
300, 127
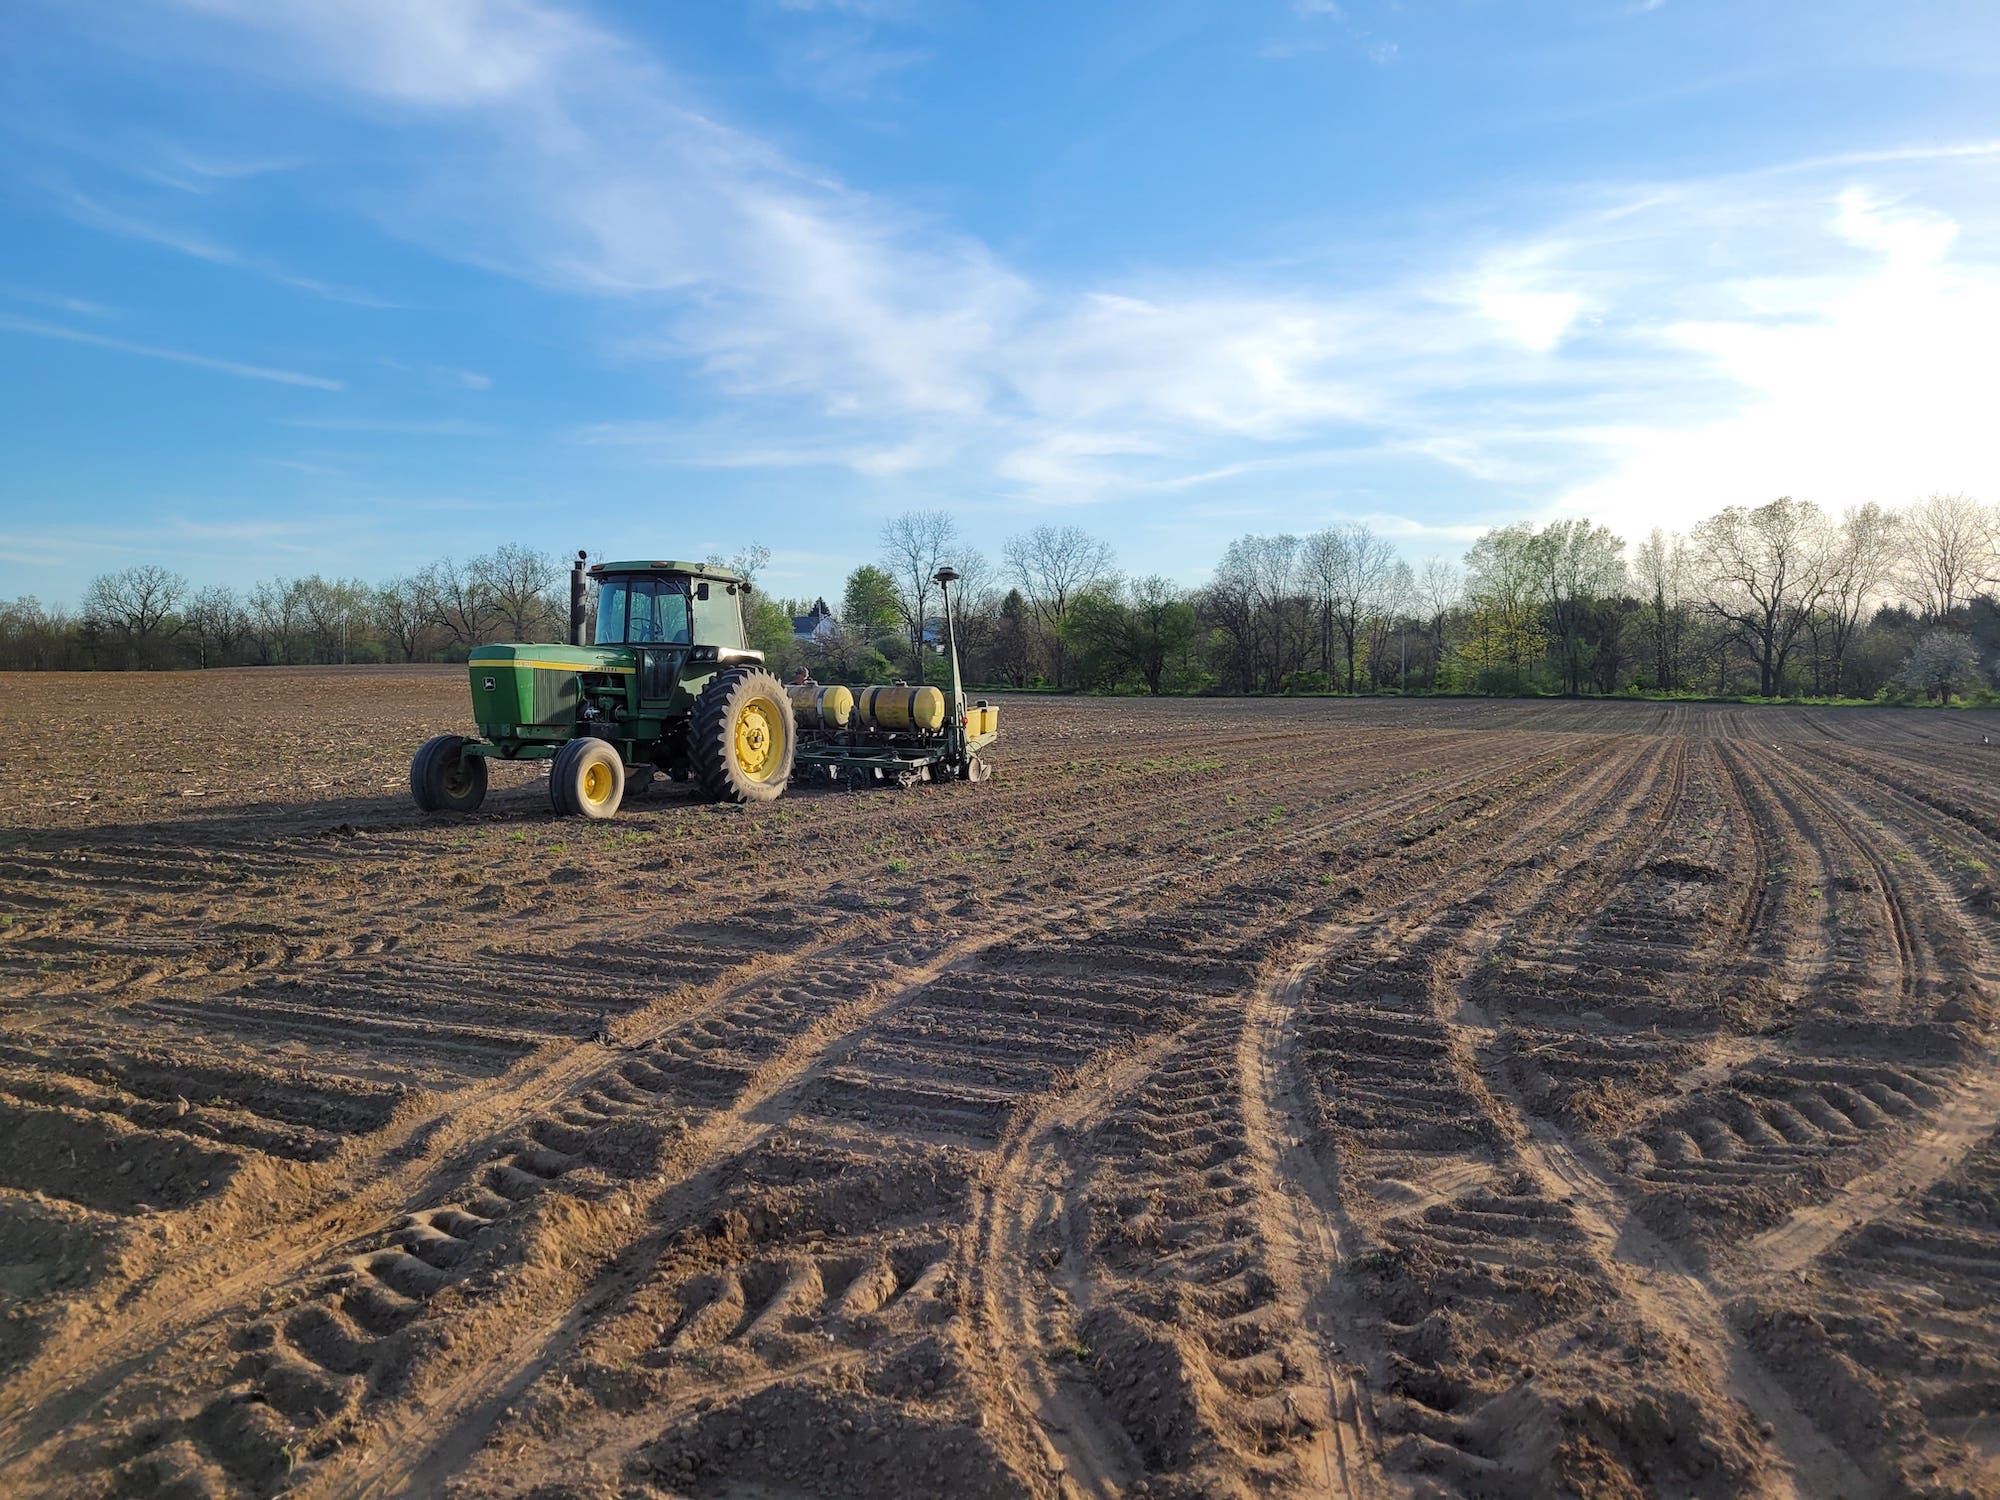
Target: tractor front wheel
587, 779
443, 778
742, 736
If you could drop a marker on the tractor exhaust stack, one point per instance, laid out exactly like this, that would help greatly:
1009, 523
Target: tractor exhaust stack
578, 582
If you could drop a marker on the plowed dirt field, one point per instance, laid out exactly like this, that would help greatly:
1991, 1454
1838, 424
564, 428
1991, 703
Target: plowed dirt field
1380, 1099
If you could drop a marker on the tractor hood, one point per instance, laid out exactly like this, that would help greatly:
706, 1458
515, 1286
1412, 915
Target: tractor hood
517, 687
555, 658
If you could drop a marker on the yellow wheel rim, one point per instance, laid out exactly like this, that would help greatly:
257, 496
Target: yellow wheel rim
756, 739
596, 783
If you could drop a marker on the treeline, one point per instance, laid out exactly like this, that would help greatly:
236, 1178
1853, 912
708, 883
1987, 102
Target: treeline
1776, 600
149, 617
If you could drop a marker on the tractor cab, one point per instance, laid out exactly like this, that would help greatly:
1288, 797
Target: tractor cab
680, 621
669, 604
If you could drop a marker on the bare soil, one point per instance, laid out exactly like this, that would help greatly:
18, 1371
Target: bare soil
1385, 1099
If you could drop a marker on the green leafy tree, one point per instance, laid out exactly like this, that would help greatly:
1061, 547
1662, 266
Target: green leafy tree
1130, 630
1013, 647
868, 604
1503, 632
770, 631
1577, 566
1052, 566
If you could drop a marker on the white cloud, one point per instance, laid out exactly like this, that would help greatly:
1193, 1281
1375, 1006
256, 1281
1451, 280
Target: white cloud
1537, 320
1661, 351
1880, 386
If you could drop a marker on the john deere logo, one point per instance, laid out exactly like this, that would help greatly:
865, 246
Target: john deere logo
489, 684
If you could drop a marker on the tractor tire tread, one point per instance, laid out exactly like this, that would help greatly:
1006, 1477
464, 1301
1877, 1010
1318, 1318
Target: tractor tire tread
563, 778
428, 768
710, 733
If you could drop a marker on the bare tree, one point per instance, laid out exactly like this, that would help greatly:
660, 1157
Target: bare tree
403, 610
1386, 617
334, 612
458, 600
526, 590
747, 562
975, 600
1764, 572
138, 604
1051, 565
1664, 573
1861, 553
914, 547
1322, 565
1364, 565
216, 624
273, 617
33, 636
1269, 566
1440, 588
1949, 545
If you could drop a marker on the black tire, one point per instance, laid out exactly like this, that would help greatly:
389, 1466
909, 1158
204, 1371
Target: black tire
587, 779
445, 779
742, 736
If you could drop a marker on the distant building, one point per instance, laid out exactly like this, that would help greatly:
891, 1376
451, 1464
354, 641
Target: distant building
816, 626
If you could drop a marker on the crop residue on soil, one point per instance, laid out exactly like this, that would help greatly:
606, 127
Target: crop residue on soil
1369, 1098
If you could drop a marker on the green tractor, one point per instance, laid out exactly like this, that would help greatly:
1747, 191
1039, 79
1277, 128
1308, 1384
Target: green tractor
669, 687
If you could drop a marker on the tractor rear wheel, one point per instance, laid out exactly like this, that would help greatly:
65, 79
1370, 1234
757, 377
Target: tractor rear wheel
445, 779
741, 736
587, 779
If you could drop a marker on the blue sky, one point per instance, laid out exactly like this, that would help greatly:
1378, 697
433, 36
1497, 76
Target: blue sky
294, 287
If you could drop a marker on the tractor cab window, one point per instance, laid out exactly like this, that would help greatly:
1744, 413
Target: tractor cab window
642, 611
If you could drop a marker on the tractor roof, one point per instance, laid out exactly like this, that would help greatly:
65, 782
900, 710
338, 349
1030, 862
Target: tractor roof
694, 570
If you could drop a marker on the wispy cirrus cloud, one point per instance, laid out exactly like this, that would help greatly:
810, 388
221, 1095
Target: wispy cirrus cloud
35, 329
81, 307
400, 426
89, 211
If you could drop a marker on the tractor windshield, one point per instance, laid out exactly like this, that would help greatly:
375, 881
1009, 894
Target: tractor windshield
652, 611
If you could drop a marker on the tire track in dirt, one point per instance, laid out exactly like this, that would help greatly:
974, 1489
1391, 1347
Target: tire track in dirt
1696, 1299
1667, 1294
1231, 1032
1964, 1110
98, 1060
1672, 1294
1091, 1450
1679, 1302
513, 1165
1381, 819
807, 1276
1577, 1231
1309, 1237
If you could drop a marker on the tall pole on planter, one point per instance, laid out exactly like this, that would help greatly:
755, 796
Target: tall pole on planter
946, 577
